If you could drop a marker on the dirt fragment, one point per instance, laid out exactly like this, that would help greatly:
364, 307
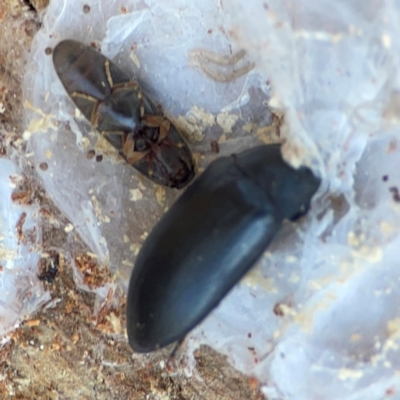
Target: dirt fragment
93, 275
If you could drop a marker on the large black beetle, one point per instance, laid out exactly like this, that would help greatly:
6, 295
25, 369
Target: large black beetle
211, 236
127, 118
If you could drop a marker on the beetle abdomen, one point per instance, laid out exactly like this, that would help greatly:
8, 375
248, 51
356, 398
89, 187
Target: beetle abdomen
210, 237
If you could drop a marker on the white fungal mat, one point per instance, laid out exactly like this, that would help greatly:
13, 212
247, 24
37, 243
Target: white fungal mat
318, 317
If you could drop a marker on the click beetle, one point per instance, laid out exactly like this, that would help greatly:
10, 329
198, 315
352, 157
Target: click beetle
210, 237
127, 118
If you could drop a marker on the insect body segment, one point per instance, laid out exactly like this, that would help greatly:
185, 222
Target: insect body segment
117, 108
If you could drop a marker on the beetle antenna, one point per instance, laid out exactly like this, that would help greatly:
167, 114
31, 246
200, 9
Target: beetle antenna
176, 348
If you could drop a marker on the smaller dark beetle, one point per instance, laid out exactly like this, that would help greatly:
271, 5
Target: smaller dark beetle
117, 108
211, 236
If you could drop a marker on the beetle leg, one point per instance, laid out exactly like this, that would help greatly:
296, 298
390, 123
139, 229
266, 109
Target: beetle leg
83, 96
94, 119
140, 97
128, 144
112, 133
177, 347
95, 116
164, 129
128, 148
108, 73
203, 58
151, 170
126, 85
137, 156
158, 121
153, 121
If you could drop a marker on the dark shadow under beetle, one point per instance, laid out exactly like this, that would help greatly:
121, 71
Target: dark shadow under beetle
210, 237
